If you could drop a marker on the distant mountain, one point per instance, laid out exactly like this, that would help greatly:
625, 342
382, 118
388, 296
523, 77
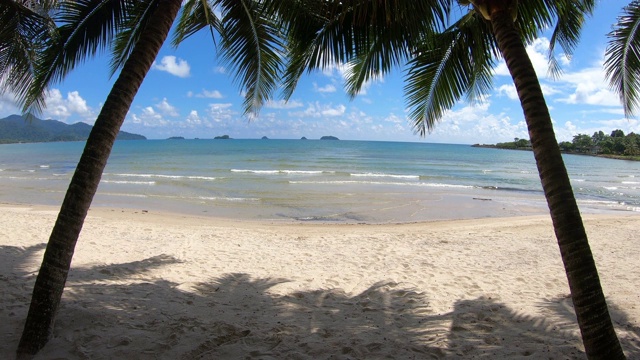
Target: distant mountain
15, 129
329, 137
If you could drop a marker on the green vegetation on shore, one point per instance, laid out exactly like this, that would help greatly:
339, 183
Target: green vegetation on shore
615, 146
18, 129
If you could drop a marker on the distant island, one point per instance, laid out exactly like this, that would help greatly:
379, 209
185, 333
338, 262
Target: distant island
18, 129
329, 138
265, 138
303, 138
176, 138
223, 137
614, 146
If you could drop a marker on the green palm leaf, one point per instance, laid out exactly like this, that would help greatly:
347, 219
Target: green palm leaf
136, 15
252, 47
325, 33
447, 66
85, 27
196, 15
22, 33
570, 20
622, 63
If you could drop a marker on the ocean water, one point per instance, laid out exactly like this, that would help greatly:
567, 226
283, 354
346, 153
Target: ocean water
314, 180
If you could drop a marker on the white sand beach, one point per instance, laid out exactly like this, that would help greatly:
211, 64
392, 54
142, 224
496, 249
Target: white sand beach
146, 285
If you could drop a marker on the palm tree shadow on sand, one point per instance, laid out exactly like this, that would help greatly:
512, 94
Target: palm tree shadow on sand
119, 311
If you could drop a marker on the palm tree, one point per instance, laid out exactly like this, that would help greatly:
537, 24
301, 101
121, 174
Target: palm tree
446, 61
248, 42
622, 63
55, 266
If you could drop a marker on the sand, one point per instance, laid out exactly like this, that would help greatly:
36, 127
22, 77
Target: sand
146, 285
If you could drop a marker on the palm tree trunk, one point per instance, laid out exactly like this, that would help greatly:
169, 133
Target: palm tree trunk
52, 276
598, 335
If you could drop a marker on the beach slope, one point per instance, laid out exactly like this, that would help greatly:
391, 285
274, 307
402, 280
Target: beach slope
146, 285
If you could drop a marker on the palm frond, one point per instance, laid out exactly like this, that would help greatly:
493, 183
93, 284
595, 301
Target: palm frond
622, 57
252, 47
378, 61
326, 33
196, 15
85, 27
136, 16
566, 17
532, 16
449, 65
22, 33
570, 20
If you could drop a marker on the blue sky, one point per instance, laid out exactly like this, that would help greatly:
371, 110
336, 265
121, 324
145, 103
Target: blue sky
189, 93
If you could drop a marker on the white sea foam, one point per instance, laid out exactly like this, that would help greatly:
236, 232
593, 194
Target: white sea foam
24, 178
44, 166
386, 175
349, 182
612, 204
302, 172
126, 195
234, 199
288, 172
129, 182
255, 171
161, 176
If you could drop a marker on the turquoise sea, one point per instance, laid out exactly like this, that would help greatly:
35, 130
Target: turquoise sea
315, 180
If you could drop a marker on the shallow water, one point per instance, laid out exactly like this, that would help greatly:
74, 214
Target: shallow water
313, 180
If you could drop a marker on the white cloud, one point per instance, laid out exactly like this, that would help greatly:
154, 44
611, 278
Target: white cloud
221, 112
337, 111
538, 52
166, 108
149, 118
393, 118
329, 88
319, 110
76, 103
509, 90
589, 87
210, 94
219, 70
173, 66
475, 124
282, 104
193, 118
60, 108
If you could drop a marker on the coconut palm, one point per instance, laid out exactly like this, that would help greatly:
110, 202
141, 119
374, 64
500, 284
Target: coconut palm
622, 63
446, 60
139, 29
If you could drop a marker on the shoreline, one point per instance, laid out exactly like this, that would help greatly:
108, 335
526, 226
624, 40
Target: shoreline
156, 285
604, 156
423, 207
